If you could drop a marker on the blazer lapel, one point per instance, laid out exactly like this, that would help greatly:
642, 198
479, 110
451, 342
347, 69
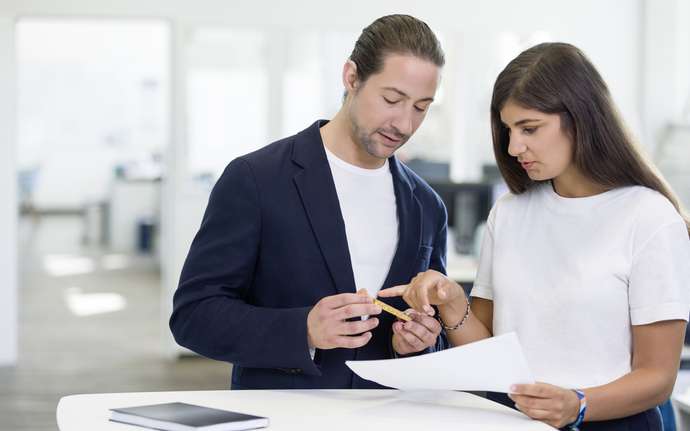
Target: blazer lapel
319, 197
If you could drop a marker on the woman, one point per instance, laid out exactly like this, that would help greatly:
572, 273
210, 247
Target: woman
587, 259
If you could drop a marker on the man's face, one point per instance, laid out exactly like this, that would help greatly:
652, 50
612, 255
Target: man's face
390, 105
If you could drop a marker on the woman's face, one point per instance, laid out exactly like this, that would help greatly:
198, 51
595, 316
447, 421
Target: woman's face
544, 151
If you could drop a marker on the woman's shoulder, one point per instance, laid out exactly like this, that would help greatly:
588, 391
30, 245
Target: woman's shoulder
654, 216
651, 213
650, 206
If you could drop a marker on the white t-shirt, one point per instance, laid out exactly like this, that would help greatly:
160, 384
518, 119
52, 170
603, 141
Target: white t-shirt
571, 275
367, 202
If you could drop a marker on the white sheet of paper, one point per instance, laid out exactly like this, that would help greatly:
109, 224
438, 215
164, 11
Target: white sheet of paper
492, 364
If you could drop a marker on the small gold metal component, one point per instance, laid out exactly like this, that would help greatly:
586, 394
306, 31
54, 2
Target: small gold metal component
394, 311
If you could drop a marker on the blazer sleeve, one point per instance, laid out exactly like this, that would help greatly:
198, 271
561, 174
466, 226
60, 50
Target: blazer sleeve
210, 314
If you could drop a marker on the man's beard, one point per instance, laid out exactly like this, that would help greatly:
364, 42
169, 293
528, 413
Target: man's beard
365, 139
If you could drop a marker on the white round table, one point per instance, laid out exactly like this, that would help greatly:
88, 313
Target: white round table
331, 410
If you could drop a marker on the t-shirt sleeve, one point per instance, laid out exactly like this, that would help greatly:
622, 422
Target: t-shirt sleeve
659, 284
483, 283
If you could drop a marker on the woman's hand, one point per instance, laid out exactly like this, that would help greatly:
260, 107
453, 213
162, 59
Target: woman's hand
427, 289
550, 404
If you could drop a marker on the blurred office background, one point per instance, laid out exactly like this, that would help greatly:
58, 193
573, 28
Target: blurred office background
117, 117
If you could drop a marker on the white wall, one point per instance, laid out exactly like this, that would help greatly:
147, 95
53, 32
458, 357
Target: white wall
8, 198
609, 32
92, 96
665, 87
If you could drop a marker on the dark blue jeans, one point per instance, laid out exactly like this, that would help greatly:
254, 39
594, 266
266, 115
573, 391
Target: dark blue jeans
648, 420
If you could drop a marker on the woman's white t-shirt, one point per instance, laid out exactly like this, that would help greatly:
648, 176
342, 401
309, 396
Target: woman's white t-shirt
571, 275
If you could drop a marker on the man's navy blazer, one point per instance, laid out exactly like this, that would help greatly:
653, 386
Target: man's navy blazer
272, 244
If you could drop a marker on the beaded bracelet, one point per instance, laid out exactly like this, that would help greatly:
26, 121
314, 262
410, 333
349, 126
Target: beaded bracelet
460, 323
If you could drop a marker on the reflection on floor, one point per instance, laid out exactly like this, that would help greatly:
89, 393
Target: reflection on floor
88, 322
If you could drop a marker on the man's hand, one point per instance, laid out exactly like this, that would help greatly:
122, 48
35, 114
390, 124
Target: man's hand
327, 325
416, 335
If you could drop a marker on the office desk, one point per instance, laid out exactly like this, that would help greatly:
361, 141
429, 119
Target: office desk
332, 410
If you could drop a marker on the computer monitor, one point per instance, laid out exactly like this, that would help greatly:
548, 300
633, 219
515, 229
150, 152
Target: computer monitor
468, 205
431, 171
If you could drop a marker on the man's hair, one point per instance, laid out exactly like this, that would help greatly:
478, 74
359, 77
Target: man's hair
394, 34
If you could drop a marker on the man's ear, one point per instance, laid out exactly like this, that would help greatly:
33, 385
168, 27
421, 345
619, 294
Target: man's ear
350, 79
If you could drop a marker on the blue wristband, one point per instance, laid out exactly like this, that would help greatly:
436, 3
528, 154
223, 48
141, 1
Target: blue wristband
581, 414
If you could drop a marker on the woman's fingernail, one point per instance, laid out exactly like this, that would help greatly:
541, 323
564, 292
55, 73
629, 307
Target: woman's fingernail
513, 388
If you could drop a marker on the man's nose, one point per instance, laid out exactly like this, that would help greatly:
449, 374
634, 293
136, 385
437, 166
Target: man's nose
403, 124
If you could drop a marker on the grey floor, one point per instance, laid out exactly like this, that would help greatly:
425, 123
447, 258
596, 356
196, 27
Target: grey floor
63, 353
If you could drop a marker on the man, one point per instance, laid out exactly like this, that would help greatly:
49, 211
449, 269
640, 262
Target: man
295, 229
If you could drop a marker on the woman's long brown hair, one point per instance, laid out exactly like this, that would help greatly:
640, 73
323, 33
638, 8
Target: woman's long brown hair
557, 78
